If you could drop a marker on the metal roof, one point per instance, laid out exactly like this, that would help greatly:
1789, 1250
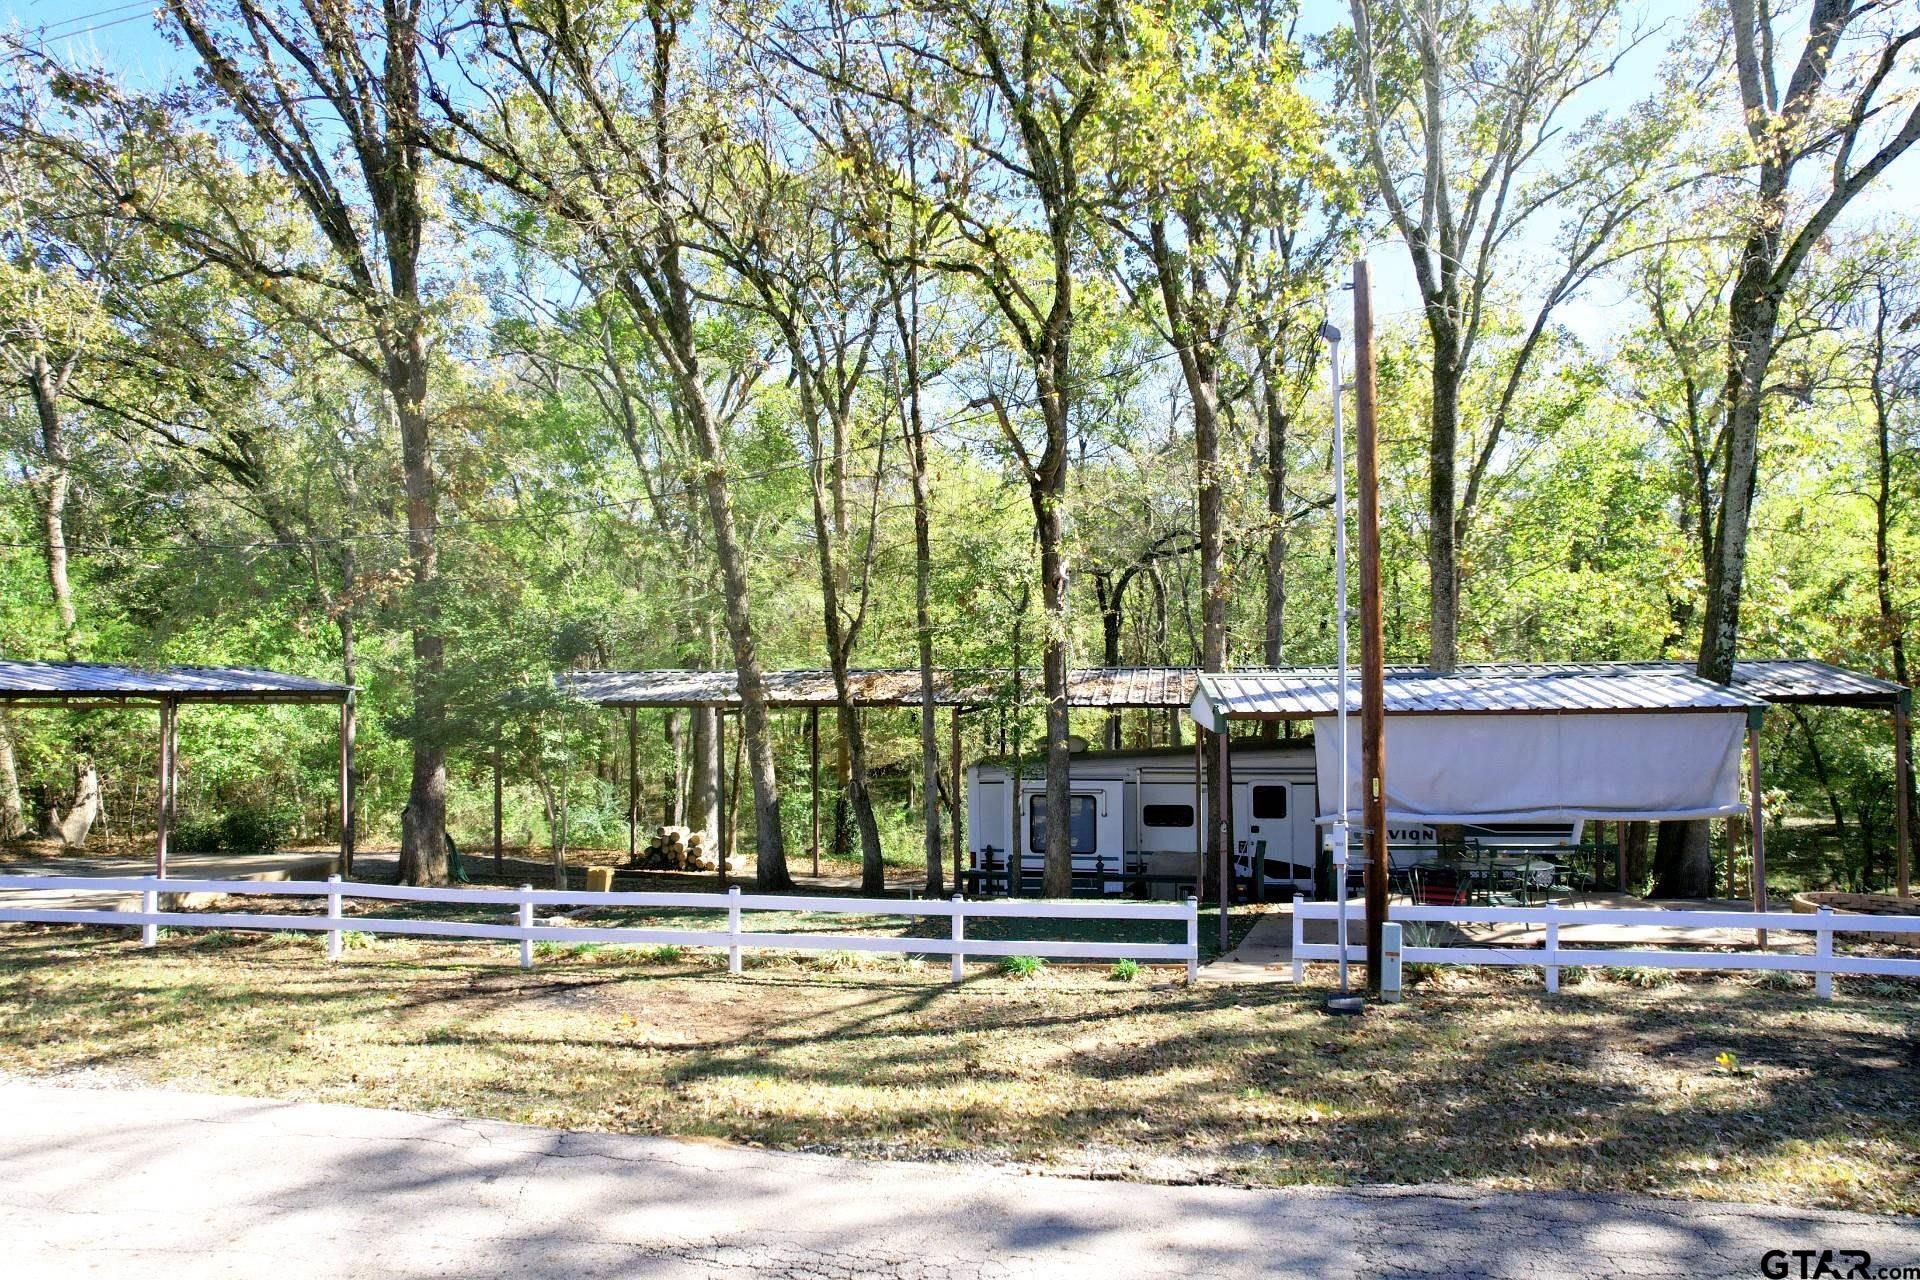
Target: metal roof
1102, 687
1291, 692
1807, 680
96, 682
1481, 689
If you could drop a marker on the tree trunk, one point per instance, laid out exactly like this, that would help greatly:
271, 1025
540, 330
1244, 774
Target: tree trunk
423, 823
702, 811
53, 496
1276, 612
13, 823
770, 868
77, 823
916, 443
1049, 496
1443, 566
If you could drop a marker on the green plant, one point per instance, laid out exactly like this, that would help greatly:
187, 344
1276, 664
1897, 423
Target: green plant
355, 939
1021, 966
1125, 970
665, 953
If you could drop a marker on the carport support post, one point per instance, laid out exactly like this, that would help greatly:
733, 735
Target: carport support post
1903, 793
1226, 828
1199, 810
813, 790
1756, 820
163, 818
347, 731
633, 785
957, 812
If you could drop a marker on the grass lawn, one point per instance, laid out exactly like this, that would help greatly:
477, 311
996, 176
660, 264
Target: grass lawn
1716, 1088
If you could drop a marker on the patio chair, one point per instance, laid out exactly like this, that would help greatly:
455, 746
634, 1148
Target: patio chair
1439, 886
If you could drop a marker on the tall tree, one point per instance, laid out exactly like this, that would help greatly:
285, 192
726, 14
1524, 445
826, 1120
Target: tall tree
1012, 89
582, 114
325, 97
1462, 123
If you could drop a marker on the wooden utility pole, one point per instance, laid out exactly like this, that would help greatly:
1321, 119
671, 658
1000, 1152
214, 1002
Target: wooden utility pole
1373, 747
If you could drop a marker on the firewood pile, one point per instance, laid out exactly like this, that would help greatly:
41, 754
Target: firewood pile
678, 849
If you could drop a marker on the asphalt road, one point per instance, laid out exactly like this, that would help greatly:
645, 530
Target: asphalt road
156, 1184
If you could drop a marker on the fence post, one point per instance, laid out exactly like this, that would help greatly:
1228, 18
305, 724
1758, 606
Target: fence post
1553, 952
333, 917
1390, 962
1193, 939
1299, 940
150, 932
1823, 955
733, 928
526, 922
959, 935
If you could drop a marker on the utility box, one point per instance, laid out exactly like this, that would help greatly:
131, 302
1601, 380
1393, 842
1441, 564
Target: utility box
599, 879
1390, 962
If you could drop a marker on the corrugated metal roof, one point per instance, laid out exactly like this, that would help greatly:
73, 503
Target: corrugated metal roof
1304, 691
1105, 687
1482, 689
81, 681
1811, 681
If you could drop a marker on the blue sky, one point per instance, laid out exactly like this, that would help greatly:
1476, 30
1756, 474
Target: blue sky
123, 34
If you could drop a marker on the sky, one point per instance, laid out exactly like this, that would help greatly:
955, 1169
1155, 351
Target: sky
123, 34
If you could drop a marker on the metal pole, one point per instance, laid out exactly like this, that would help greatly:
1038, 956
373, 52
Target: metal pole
1373, 745
1756, 820
1903, 793
1340, 837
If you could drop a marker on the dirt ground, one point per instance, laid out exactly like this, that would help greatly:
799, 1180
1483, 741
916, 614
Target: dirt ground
1719, 1088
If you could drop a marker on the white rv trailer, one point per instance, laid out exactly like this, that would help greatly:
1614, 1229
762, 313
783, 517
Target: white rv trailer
1135, 824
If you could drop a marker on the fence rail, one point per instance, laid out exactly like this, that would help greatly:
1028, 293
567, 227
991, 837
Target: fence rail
525, 929
1552, 956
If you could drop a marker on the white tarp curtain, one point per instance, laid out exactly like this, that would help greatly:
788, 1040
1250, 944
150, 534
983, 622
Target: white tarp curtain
1520, 767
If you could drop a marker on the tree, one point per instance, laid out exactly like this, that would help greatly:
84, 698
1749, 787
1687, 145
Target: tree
1838, 101
585, 117
294, 82
1462, 111
1012, 89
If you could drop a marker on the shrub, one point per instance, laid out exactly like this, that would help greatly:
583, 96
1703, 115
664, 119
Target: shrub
250, 828
1021, 966
1644, 976
1124, 970
247, 829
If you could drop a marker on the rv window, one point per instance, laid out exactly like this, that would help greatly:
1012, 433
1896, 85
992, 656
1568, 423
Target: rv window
1270, 802
1083, 824
1166, 815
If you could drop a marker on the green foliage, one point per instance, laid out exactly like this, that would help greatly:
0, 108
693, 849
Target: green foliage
1021, 966
1124, 970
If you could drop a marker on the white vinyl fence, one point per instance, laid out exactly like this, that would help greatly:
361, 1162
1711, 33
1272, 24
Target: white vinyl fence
151, 918
1823, 963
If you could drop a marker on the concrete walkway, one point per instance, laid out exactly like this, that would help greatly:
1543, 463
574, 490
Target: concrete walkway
154, 1184
1265, 955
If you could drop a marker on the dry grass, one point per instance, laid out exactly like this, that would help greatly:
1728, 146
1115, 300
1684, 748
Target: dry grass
1716, 1088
